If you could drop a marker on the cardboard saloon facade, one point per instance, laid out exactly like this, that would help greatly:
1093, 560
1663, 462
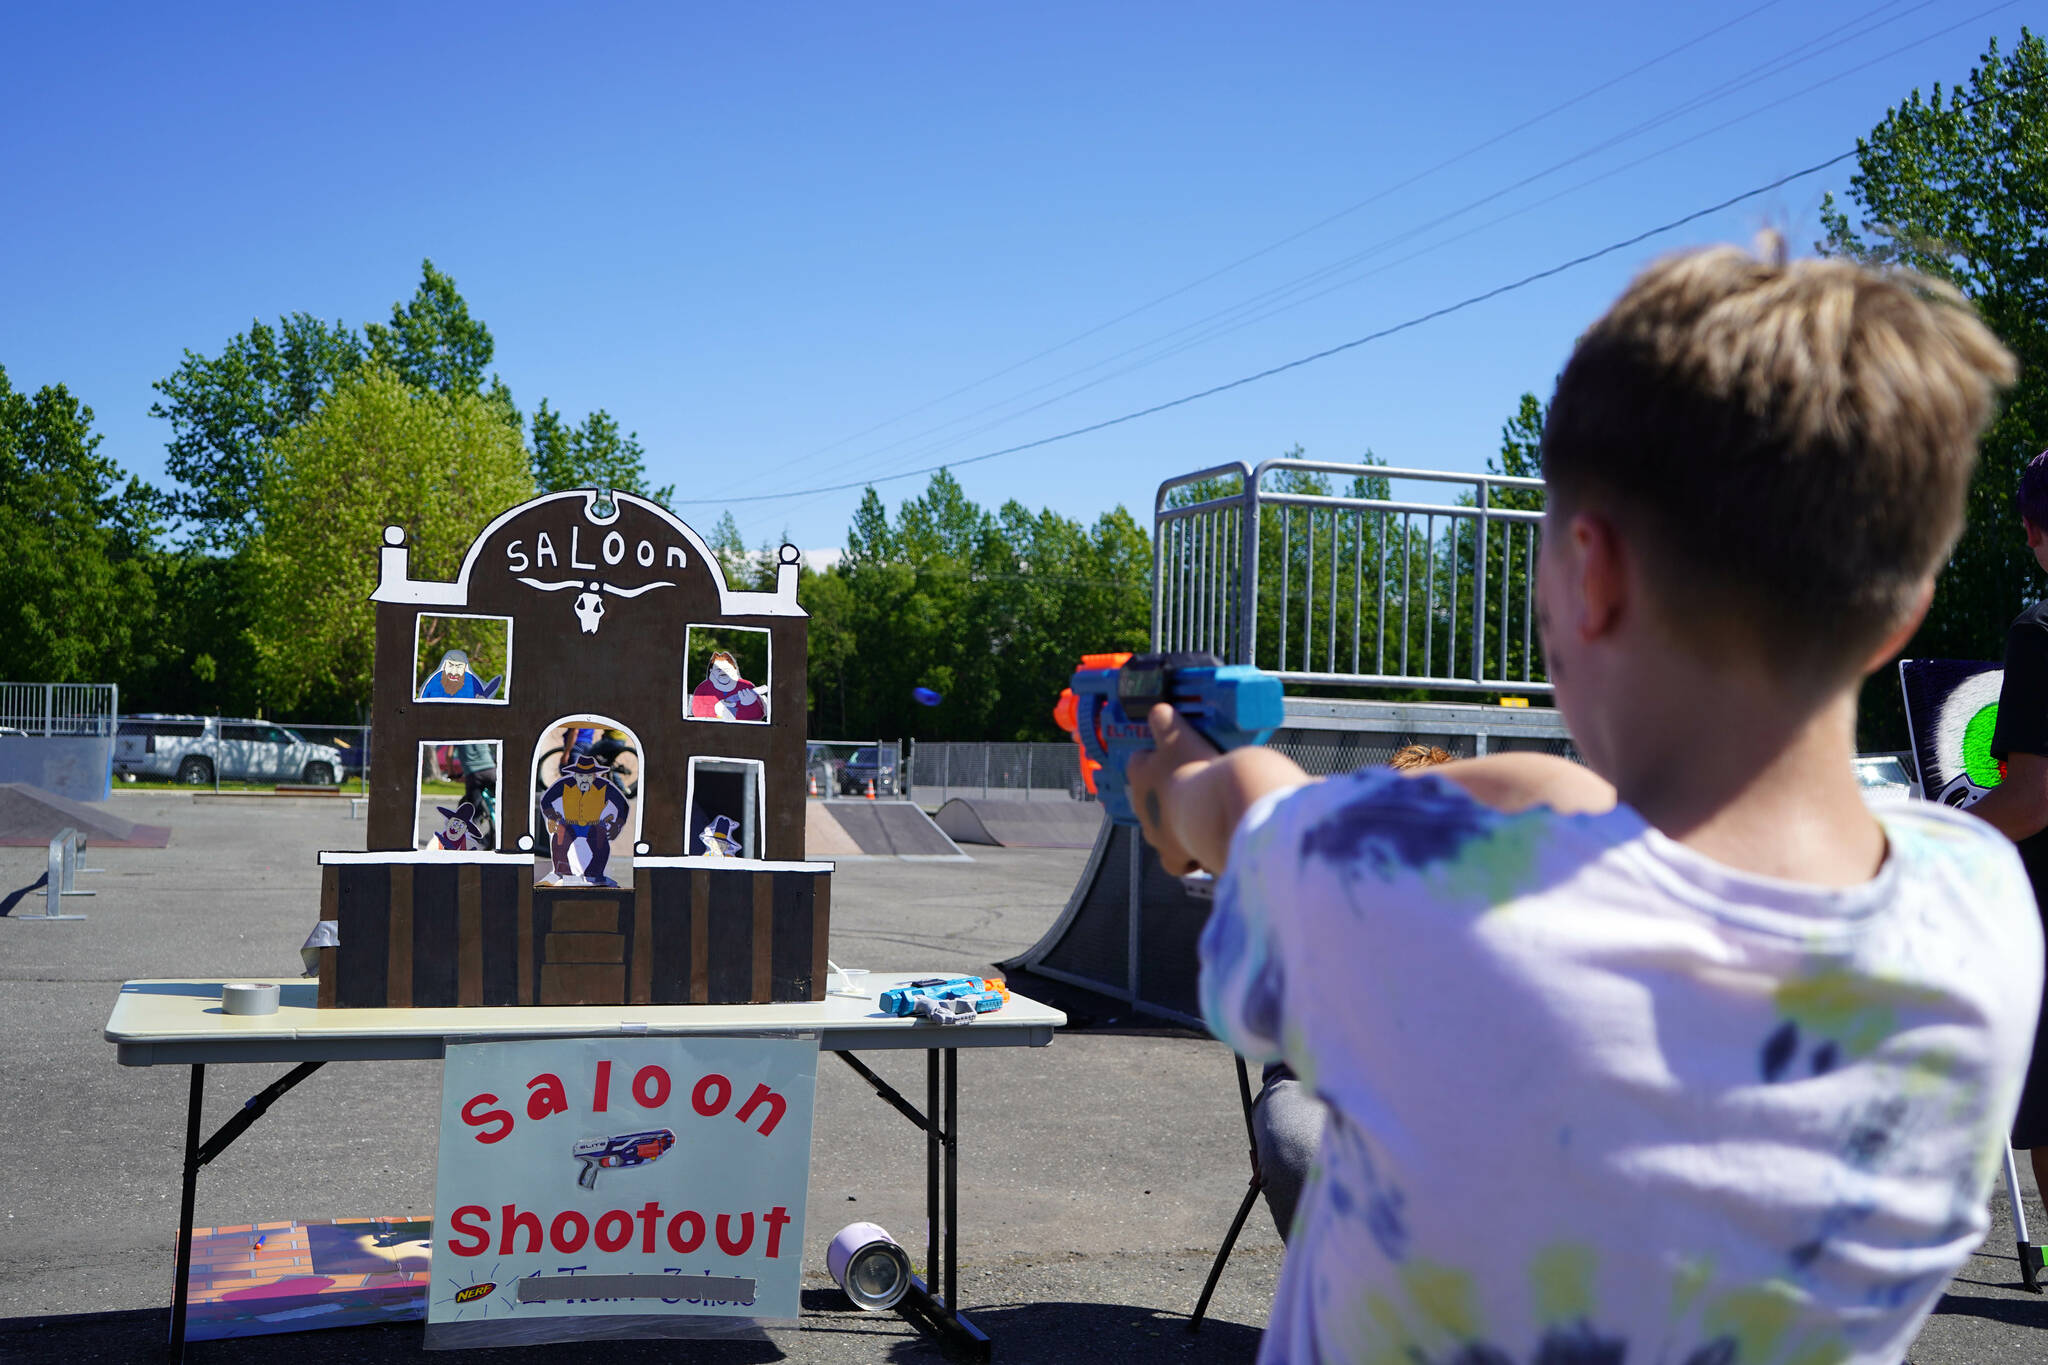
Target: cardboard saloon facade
628, 847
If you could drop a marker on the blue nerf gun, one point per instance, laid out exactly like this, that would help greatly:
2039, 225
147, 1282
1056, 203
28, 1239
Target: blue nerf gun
944, 999
1230, 705
624, 1150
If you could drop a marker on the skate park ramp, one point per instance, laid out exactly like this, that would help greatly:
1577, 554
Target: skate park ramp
824, 837
878, 829
1129, 931
1020, 824
30, 816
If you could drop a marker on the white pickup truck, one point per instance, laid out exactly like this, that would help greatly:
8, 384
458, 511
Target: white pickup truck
198, 749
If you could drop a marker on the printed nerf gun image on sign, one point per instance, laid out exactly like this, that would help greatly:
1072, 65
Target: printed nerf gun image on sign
1230, 705
619, 1152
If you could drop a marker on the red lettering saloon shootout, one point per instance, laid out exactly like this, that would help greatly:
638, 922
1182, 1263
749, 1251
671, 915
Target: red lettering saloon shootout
637, 1158
547, 1096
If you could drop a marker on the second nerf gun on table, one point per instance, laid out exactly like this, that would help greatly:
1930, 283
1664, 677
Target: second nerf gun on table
1230, 705
945, 999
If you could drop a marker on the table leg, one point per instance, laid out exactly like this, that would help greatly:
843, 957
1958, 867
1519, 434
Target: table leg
932, 1207
936, 1313
191, 1188
198, 1154
950, 1059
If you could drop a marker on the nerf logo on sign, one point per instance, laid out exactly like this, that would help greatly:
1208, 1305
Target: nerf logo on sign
474, 1292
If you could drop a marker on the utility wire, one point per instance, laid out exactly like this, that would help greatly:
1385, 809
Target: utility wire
1270, 302
1235, 319
1313, 357
1316, 226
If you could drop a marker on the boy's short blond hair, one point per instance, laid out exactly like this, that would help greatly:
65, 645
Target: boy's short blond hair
1788, 446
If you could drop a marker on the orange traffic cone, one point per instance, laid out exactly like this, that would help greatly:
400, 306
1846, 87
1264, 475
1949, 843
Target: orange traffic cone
814, 784
871, 789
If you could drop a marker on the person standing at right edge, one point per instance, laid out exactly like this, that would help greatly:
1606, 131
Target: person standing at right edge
2018, 805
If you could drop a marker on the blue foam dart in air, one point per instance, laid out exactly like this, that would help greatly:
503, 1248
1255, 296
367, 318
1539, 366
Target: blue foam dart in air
925, 696
1230, 705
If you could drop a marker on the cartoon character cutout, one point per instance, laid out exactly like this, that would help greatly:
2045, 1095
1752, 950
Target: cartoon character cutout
584, 809
459, 829
717, 837
725, 695
453, 681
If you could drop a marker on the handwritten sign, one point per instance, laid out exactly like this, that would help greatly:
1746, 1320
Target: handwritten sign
630, 1177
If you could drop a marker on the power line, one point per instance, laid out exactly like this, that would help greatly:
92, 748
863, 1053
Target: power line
1270, 302
1313, 357
1316, 226
1356, 342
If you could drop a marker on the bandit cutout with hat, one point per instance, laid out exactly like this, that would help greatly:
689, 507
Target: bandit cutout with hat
459, 829
718, 837
584, 810
454, 682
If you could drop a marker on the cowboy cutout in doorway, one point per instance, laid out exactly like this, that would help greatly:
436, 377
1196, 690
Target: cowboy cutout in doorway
718, 838
584, 810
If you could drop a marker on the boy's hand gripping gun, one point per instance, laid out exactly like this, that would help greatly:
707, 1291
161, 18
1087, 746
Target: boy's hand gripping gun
626, 1149
1230, 705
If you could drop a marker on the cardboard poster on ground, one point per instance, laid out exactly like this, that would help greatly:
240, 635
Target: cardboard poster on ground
586, 1182
262, 1278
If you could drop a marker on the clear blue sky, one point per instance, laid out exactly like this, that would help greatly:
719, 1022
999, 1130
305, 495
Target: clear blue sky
773, 239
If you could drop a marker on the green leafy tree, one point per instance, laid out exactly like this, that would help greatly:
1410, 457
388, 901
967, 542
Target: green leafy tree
991, 611
1511, 552
1956, 185
432, 343
79, 596
729, 548
378, 452
593, 455
225, 409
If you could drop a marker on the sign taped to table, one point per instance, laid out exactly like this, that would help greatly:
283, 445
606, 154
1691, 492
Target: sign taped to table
652, 1185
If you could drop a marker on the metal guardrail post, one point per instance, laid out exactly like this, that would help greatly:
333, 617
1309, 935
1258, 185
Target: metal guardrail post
63, 868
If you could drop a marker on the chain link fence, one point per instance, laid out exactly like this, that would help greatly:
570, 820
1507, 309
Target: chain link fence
836, 768
1011, 772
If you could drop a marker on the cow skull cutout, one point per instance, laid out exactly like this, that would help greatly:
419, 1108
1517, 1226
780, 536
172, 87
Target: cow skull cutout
590, 608
590, 595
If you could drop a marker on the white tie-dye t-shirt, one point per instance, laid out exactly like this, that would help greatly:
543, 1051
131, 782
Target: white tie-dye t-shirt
1597, 1100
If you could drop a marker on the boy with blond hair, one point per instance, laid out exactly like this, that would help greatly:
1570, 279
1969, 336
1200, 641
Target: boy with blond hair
1686, 1057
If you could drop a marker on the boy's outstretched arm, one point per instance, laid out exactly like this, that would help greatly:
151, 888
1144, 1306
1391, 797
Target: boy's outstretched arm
1189, 799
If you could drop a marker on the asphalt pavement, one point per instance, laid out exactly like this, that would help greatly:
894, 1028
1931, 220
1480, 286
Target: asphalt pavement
1097, 1174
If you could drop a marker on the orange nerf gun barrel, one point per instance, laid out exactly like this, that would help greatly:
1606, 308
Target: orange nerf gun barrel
1067, 715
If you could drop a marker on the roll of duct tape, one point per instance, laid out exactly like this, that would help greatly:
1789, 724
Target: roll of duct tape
248, 997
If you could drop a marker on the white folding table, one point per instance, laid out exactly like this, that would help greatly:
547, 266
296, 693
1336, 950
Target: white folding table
180, 1023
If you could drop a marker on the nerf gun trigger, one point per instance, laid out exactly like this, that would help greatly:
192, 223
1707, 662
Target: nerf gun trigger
622, 1150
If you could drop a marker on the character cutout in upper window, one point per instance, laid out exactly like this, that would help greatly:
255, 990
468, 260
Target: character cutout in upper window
725, 695
453, 681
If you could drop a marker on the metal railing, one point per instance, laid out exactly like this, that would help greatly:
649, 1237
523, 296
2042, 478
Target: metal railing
70, 710
67, 849
941, 770
1358, 588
